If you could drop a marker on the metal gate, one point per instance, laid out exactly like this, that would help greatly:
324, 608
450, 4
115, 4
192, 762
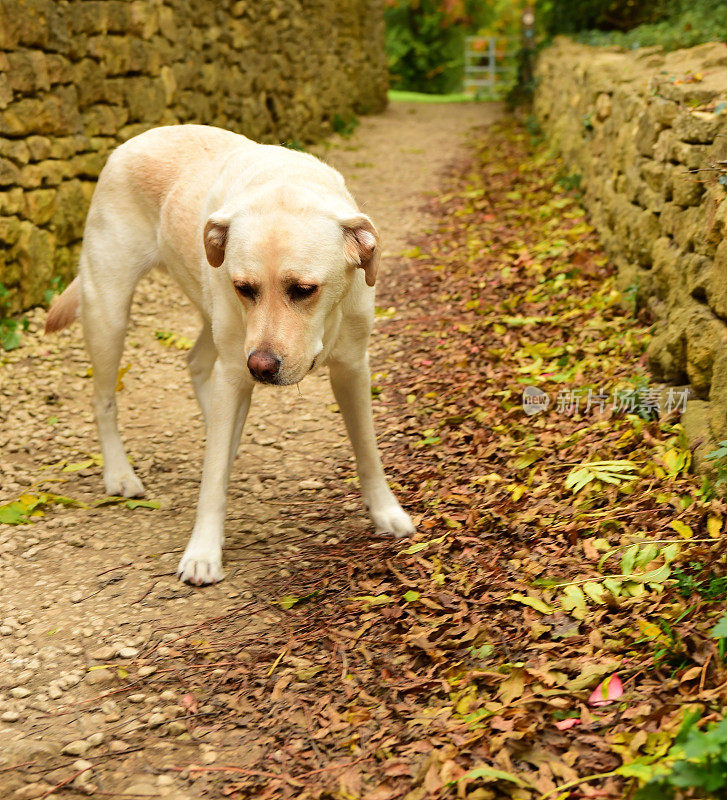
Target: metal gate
489, 65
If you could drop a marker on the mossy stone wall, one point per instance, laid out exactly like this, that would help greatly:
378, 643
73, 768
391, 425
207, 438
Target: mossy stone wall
647, 133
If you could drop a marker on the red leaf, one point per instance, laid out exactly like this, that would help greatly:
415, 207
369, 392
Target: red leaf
608, 690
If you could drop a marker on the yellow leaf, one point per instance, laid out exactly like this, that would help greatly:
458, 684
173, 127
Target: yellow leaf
76, 466
682, 529
491, 477
533, 602
463, 705
652, 631
714, 526
120, 377
595, 591
574, 601
517, 490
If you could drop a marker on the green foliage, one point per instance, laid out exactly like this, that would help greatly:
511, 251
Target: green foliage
719, 632
719, 453
571, 16
56, 286
670, 24
10, 328
570, 181
425, 42
719, 457
30, 505
695, 578
632, 23
294, 144
344, 126
533, 127
695, 766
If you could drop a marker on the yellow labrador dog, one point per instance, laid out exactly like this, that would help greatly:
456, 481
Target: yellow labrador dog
272, 250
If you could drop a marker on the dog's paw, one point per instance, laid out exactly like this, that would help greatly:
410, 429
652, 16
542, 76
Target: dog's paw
392, 519
123, 484
200, 569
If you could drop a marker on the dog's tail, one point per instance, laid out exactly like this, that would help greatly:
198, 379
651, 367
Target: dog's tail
65, 309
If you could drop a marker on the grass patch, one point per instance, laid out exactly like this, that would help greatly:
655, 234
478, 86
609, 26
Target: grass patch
397, 96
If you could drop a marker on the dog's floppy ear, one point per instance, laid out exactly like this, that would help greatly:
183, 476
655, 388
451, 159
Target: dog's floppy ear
215, 239
362, 245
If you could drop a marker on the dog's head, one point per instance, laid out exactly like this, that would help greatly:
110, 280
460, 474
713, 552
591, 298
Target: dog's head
289, 261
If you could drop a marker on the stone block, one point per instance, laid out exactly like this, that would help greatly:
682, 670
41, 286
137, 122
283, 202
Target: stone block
688, 188
644, 233
664, 148
686, 226
647, 131
692, 156
144, 99
58, 69
697, 270
55, 114
39, 147
667, 351
102, 120
706, 337
87, 165
718, 398
16, 150
665, 111
44, 174
697, 127
653, 173
70, 211
696, 421
11, 202
39, 205
665, 264
26, 71
716, 288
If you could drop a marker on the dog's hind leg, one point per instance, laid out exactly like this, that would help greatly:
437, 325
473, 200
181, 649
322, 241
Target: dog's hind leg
107, 287
201, 360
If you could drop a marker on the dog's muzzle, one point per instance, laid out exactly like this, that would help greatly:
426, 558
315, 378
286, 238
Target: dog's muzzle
263, 366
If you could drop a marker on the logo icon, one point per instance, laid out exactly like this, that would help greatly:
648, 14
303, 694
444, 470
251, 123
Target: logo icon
534, 400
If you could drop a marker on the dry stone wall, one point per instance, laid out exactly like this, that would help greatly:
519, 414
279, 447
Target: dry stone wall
78, 77
647, 133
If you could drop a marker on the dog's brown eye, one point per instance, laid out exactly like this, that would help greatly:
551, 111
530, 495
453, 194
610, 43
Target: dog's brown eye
246, 290
300, 291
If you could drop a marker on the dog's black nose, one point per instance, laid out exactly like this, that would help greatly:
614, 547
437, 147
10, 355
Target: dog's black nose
264, 366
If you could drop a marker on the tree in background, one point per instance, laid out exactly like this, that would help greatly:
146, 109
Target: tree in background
635, 23
570, 16
425, 40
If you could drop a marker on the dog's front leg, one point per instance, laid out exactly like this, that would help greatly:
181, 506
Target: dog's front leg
230, 402
351, 384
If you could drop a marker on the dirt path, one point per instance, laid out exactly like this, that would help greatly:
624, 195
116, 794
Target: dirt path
85, 588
